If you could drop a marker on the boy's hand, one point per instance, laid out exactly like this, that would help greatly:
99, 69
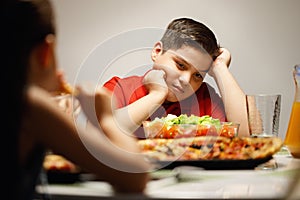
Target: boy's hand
223, 60
154, 80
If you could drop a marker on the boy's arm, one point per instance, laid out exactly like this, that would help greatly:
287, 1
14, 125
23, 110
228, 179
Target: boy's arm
232, 95
130, 118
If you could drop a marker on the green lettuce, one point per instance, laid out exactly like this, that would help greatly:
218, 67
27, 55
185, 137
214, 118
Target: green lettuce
171, 119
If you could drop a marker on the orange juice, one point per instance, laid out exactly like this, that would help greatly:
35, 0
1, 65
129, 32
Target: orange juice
292, 138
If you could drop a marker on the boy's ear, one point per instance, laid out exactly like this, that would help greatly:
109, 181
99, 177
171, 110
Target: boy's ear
157, 50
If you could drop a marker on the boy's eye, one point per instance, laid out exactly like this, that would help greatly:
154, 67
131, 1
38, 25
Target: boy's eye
180, 65
198, 76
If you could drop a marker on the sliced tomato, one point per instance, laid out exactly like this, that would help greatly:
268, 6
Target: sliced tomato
202, 130
227, 131
170, 133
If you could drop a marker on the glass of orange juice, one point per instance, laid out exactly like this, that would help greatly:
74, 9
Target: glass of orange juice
292, 138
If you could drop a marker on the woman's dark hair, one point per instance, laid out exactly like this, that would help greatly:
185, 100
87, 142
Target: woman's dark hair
185, 31
25, 23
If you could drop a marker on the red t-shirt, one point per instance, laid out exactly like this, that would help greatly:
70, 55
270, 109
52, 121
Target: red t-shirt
205, 101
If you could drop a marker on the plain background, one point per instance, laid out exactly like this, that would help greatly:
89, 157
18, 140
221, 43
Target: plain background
263, 37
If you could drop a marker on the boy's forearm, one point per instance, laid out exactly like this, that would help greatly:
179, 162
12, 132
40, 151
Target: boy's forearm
132, 116
233, 98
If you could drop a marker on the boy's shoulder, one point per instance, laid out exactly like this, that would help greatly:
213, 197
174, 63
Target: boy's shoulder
126, 82
125, 79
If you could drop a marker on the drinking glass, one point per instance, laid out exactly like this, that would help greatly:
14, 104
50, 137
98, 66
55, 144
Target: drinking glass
263, 111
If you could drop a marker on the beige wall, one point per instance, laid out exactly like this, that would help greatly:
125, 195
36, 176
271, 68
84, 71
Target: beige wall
262, 35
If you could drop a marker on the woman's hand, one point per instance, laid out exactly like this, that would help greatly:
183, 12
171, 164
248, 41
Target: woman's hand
96, 104
61, 86
68, 104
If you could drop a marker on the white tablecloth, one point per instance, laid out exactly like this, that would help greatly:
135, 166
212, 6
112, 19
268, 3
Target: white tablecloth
194, 183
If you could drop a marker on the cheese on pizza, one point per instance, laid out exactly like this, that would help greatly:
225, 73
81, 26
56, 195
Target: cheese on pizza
210, 147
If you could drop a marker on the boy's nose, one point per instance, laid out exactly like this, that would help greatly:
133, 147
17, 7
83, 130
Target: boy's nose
185, 78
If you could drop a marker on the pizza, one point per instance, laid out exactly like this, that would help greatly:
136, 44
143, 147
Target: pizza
64, 89
68, 89
209, 147
58, 163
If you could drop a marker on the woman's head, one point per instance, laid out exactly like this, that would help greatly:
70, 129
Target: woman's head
30, 25
24, 25
32, 21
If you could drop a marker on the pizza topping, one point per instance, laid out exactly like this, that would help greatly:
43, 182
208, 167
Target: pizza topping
210, 147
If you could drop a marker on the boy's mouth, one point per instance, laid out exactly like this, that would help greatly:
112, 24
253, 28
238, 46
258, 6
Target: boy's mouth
177, 89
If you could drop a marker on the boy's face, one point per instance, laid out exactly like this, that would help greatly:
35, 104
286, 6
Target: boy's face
185, 69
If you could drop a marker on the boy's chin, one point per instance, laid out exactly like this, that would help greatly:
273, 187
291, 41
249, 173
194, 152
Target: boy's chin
173, 98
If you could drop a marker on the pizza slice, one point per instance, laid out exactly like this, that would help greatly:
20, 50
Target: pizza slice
58, 163
67, 88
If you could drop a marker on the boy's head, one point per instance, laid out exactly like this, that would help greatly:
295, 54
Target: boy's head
185, 53
188, 32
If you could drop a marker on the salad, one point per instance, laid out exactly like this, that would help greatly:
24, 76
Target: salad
173, 126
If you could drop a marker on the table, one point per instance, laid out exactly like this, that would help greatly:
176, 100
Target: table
194, 183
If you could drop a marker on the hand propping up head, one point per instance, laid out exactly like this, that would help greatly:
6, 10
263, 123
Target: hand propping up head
222, 60
154, 81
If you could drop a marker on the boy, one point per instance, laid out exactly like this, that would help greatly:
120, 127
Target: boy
187, 51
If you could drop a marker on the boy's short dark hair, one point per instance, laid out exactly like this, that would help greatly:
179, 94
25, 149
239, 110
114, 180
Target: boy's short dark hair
185, 31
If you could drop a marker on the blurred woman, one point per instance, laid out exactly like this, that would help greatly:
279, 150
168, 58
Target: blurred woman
32, 121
